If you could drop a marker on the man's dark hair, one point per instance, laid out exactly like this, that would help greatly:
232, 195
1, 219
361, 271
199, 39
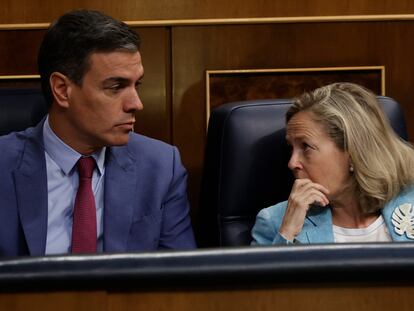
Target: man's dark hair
69, 42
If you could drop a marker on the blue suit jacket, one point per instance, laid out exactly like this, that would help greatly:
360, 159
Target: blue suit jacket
317, 227
145, 200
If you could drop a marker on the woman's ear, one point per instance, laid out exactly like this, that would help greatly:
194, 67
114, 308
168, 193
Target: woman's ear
60, 85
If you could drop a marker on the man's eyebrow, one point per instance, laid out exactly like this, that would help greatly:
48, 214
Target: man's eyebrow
119, 80
111, 80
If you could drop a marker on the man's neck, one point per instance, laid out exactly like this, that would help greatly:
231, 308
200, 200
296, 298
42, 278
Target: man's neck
62, 128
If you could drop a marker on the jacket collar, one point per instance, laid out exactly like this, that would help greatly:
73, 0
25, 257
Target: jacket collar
31, 190
120, 196
317, 227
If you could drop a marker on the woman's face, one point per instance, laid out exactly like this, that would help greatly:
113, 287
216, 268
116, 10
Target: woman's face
315, 155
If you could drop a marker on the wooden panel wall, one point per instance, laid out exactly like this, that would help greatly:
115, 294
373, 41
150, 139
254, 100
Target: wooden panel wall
43, 11
18, 51
155, 119
176, 57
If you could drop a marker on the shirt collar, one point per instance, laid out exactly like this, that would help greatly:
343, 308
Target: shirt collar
63, 155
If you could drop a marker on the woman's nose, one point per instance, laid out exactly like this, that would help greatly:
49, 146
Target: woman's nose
294, 161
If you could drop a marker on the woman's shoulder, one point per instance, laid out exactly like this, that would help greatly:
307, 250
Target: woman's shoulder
268, 221
274, 210
406, 193
406, 196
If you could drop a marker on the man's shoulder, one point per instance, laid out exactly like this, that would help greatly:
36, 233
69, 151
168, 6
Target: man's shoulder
144, 145
12, 146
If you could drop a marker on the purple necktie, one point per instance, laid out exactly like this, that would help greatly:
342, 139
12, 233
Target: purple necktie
84, 213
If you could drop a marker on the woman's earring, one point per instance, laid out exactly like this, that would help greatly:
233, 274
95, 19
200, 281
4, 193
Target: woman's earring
351, 168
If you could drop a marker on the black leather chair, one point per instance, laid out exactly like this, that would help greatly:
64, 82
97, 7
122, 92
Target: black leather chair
20, 108
245, 166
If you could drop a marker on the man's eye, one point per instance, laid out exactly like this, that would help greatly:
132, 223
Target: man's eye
115, 87
137, 85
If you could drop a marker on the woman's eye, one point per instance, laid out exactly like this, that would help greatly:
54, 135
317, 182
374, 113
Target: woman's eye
305, 146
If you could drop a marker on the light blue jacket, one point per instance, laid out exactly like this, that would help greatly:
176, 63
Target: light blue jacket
318, 223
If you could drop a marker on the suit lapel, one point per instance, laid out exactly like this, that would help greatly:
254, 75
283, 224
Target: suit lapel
120, 198
317, 227
31, 190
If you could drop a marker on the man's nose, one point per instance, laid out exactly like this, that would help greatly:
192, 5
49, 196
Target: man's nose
134, 102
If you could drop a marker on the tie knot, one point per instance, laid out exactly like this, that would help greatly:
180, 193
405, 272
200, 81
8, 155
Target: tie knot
86, 165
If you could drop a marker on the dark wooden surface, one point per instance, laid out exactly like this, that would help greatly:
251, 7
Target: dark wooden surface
35, 11
18, 52
155, 91
351, 297
50, 301
315, 297
240, 86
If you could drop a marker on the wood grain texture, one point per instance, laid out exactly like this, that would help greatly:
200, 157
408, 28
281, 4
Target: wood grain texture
41, 11
52, 301
155, 91
18, 52
312, 297
230, 87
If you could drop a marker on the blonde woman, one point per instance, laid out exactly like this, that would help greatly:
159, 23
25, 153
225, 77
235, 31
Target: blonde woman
353, 175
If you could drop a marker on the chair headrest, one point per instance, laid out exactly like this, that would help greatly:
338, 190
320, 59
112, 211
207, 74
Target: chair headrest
20, 109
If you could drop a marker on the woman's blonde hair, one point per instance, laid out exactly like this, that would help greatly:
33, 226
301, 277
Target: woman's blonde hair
383, 163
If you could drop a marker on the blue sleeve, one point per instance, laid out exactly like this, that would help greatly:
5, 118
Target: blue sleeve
266, 228
176, 231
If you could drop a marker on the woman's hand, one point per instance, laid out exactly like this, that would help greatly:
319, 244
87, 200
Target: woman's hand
304, 193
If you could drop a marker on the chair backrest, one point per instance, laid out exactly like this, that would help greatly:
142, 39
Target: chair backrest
20, 109
245, 167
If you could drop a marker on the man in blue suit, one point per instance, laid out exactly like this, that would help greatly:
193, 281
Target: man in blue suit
90, 68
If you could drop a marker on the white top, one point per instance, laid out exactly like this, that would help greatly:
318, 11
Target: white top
375, 232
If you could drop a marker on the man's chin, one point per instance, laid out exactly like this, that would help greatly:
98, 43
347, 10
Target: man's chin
119, 140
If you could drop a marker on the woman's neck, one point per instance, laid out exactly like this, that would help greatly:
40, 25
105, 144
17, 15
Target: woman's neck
342, 217
347, 213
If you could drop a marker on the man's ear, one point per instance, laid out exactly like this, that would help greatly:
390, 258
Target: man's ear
60, 86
